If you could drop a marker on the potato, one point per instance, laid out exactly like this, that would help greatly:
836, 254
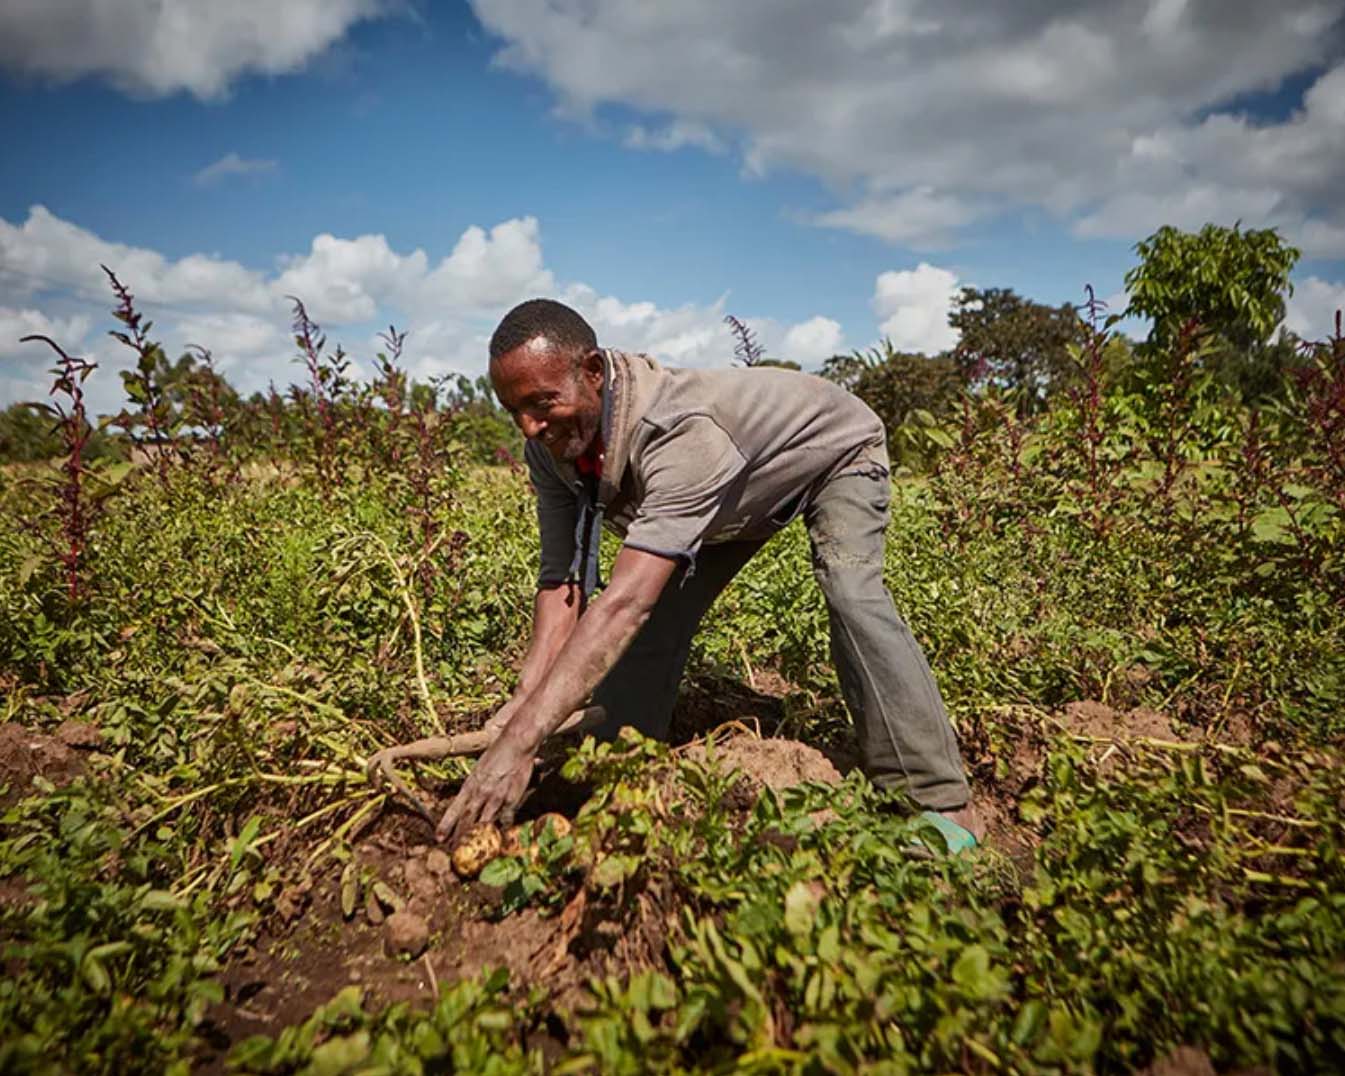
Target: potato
479, 847
560, 825
513, 843
513, 839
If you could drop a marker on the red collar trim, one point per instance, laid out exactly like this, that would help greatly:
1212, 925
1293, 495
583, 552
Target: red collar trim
590, 463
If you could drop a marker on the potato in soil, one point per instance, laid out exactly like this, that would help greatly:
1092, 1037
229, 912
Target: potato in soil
513, 839
479, 847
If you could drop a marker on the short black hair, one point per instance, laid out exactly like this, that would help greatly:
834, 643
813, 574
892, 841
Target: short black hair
547, 318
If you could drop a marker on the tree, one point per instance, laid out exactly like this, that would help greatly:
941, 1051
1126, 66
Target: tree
896, 383
26, 434
1230, 281
1015, 344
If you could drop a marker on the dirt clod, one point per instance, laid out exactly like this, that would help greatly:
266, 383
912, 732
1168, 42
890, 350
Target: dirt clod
421, 885
1092, 718
438, 863
80, 735
773, 764
1183, 1061
405, 934
25, 754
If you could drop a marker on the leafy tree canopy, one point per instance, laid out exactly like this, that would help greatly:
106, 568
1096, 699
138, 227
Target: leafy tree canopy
1233, 282
896, 383
1014, 343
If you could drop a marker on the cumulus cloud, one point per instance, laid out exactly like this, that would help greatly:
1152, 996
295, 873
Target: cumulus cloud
348, 280
913, 305
231, 164
46, 252
926, 114
1311, 310
687, 335
813, 341
16, 323
351, 286
24, 366
154, 48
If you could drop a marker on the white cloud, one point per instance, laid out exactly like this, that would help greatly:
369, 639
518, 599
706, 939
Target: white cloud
231, 164
812, 341
348, 280
245, 347
924, 114
155, 48
687, 335
24, 367
345, 280
913, 305
922, 218
15, 324
1284, 175
352, 287
490, 269
674, 136
1311, 310
46, 253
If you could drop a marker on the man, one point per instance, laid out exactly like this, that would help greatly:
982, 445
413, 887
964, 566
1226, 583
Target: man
695, 469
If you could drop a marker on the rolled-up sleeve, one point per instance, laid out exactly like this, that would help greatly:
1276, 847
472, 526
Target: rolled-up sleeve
557, 515
688, 471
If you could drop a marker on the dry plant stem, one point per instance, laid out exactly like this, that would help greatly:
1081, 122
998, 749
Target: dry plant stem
374, 803
433, 748
434, 981
402, 582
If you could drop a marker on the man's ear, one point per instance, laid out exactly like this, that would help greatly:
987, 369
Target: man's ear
594, 366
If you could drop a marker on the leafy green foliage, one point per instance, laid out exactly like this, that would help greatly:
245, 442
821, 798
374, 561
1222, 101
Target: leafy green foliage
1018, 346
1231, 281
468, 1030
910, 393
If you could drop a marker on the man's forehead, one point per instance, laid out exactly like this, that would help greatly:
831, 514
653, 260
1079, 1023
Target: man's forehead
536, 362
537, 353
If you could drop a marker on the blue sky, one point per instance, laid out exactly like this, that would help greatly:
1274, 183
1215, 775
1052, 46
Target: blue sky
832, 173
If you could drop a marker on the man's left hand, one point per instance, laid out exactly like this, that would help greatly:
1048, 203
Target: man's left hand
491, 792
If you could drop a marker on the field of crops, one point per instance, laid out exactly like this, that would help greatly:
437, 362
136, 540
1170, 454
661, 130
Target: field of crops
1134, 604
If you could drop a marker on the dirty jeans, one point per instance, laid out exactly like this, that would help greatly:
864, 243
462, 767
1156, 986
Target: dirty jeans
905, 738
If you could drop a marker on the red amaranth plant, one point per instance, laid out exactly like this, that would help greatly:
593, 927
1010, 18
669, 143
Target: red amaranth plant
205, 394
275, 410
1323, 387
1086, 395
326, 376
1176, 415
391, 388
155, 410
746, 348
69, 375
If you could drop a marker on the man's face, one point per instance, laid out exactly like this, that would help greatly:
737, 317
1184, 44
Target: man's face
550, 398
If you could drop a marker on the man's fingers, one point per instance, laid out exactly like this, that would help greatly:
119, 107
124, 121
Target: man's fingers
455, 812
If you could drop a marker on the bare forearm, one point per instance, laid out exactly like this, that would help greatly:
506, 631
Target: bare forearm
592, 646
599, 639
555, 613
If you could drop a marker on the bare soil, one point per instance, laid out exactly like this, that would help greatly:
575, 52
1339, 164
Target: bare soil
59, 758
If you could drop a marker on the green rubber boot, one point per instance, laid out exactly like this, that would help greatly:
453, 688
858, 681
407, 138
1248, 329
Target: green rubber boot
957, 839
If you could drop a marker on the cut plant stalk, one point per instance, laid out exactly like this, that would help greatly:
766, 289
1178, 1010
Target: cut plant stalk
434, 748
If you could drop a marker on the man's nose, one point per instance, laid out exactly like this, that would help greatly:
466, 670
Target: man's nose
530, 426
